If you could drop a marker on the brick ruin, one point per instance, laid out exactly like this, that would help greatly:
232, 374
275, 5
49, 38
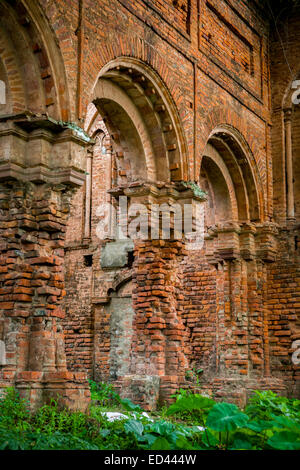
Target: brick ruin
149, 99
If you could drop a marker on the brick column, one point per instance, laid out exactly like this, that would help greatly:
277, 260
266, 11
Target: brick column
232, 312
158, 361
289, 164
34, 207
158, 345
241, 252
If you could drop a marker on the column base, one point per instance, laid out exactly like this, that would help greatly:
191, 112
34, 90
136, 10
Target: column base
239, 389
69, 389
149, 391
170, 384
140, 389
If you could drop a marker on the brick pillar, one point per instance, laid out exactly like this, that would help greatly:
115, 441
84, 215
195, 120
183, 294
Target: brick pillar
158, 346
232, 361
158, 360
289, 164
34, 219
232, 318
241, 254
34, 207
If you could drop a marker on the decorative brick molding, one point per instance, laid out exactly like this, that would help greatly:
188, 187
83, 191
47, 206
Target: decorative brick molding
37, 148
34, 211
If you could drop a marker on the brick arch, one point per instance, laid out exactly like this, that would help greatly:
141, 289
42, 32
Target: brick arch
94, 122
220, 187
239, 159
129, 122
134, 48
133, 84
121, 279
17, 100
51, 62
228, 117
33, 60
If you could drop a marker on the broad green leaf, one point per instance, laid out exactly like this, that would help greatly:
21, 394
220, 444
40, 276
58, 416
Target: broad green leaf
175, 437
149, 438
259, 426
226, 417
134, 426
162, 427
239, 444
283, 422
285, 440
128, 405
161, 443
187, 431
191, 403
183, 443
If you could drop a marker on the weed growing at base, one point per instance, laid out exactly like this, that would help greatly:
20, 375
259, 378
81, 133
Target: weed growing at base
193, 422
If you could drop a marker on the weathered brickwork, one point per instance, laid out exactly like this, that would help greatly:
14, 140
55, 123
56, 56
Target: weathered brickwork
199, 313
283, 304
32, 288
113, 98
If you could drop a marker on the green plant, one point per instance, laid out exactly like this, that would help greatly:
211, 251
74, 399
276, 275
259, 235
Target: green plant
103, 393
195, 188
265, 404
192, 408
128, 405
159, 435
14, 411
181, 393
193, 375
268, 422
49, 419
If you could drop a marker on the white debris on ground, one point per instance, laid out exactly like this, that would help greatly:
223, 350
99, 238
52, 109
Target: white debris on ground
114, 415
144, 414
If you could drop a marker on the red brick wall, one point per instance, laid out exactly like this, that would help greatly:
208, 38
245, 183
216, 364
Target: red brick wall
78, 323
220, 68
199, 312
283, 305
283, 277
